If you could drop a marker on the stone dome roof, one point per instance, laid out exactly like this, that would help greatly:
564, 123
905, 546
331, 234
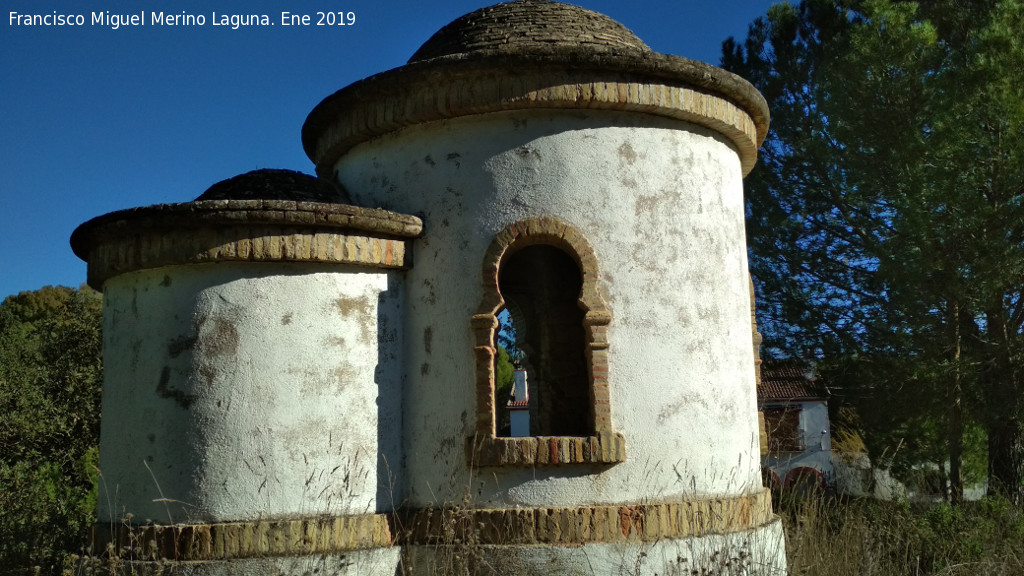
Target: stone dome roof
526, 26
533, 55
276, 184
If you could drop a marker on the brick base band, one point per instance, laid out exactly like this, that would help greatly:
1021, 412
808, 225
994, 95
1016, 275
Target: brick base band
591, 524
224, 541
530, 526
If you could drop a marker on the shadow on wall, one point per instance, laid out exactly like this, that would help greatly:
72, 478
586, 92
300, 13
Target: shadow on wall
389, 377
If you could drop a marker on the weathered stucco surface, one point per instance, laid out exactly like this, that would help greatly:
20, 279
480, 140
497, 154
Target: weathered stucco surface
660, 201
242, 391
759, 551
375, 562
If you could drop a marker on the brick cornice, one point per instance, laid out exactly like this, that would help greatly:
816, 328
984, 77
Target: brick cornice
243, 231
493, 81
574, 525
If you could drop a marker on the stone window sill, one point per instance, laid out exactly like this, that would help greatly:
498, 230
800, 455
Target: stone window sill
603, 448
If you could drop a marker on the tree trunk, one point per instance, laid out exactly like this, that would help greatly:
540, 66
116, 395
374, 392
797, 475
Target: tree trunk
1006, 460
943, 481
956, 453
955, 420
1005, 428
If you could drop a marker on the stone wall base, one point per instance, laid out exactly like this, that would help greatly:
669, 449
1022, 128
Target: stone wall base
723, 536
375, 562
760, 552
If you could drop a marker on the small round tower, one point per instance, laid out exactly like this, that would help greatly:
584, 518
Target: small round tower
252, 378
592, 189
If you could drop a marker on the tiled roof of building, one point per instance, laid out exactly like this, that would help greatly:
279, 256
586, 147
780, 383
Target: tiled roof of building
786, 380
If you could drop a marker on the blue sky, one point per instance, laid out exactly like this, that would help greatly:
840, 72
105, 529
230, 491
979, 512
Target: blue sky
95, 119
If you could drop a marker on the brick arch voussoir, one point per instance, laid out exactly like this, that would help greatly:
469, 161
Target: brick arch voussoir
551, 231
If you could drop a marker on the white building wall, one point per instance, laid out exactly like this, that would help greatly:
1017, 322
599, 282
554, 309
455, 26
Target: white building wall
519, 423
661, 203
817, 442
243, 391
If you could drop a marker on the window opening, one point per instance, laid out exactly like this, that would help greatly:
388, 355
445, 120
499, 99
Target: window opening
540, 285
542, 305
783, 427
507, 359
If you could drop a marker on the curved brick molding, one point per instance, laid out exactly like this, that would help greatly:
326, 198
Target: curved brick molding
243, 230
524, 526
225, 541
486, 448
450, 87
590, 524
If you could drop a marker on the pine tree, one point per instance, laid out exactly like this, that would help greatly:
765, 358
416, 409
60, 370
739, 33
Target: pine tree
886, 218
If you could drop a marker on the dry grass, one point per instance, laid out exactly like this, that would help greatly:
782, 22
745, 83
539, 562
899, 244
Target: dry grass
831, 537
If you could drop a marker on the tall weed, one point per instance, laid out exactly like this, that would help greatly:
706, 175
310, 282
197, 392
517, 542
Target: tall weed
828, 536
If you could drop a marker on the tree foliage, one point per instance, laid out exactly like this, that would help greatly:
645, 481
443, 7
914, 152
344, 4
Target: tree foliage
886, 217
50, 377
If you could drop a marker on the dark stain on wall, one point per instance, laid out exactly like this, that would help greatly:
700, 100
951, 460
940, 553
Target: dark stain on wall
164, 390
430, 298
180, 344
360, 310
220, 339
627, 153
345, 375
216, 344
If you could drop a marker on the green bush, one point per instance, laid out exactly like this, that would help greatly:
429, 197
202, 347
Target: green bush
50, 377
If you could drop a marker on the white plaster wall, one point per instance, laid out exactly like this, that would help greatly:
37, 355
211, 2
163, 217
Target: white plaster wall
661, 204
244, 391
759, 552
814, 425
374, 562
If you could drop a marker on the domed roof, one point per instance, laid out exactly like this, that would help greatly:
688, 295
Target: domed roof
534, 55
525, 26
276, 184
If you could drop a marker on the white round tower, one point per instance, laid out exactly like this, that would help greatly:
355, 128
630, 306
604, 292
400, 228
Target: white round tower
593, 188
252, 378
